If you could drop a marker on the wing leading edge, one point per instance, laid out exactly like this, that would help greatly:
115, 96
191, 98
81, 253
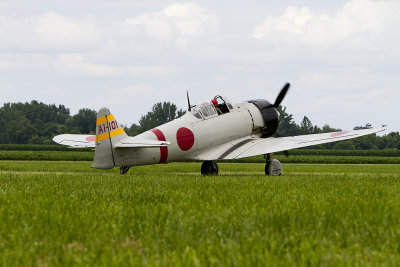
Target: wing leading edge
253, 146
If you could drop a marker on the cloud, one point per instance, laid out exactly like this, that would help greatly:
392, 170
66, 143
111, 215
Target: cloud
6, 89
49, 32
357, 22
87, 45
75, 64
176, 23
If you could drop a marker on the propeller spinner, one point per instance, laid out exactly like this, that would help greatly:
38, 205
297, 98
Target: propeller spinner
270, 113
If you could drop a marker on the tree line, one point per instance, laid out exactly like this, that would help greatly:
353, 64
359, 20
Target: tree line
37, 123
288, 127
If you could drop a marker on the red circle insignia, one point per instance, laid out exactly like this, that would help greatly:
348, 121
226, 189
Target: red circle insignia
91, 138
185, 138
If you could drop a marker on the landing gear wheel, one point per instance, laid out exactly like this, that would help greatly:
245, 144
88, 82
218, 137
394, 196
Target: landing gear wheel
273, 166
124, 169
209, 167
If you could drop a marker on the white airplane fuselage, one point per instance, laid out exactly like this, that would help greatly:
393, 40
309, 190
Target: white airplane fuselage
189, 136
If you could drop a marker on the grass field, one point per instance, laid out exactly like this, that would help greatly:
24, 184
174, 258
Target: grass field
63, 212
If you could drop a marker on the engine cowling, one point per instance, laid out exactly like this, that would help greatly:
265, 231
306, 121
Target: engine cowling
270, 116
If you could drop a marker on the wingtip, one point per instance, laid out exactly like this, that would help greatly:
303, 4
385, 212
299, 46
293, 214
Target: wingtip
58, 138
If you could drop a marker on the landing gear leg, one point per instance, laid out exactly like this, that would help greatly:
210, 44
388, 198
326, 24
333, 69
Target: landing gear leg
124, 169
209, 167
273, 166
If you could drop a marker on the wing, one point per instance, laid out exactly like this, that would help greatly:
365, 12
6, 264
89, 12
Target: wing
89, 141
76, 140
252, 146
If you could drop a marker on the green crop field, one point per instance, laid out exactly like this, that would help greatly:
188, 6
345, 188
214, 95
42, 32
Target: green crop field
65, 213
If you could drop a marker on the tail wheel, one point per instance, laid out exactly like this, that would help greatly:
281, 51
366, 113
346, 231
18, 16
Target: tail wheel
209, 167
124, 169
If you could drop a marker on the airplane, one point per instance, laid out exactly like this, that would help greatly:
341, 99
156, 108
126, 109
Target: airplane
209, 131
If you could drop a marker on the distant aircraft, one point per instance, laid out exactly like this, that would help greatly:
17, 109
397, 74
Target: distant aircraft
209, 131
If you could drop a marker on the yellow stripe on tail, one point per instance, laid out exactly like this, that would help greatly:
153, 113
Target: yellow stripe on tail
107, 127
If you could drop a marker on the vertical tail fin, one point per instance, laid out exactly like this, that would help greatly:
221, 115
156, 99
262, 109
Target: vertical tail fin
108, 132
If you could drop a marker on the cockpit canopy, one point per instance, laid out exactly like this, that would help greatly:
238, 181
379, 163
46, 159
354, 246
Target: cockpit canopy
223, 104
206, 110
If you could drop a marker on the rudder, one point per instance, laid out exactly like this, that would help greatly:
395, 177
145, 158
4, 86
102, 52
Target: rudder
108, 132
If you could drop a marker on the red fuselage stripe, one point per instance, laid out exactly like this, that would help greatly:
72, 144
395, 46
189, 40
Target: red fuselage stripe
163, 150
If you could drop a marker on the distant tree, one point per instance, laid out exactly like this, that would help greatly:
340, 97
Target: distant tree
165, 112
83, 122
133, 130
287, 126
33, 122
390, 141
327, 129
19, 131
366, 142
162, 112
344, 145
316, 129
306, 126
180, 113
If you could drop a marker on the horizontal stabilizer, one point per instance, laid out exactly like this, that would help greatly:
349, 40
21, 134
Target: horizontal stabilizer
133, 142
76, 140
88, 141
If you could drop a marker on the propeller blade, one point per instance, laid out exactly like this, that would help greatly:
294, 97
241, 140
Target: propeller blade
281, 95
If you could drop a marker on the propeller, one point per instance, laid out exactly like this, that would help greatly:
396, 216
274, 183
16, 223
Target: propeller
281, 95
278, 101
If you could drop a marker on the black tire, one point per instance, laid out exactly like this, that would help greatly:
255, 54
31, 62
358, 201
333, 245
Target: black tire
273, 167
209, 167
215, 168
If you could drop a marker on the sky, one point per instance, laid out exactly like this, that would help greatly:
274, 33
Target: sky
341, 57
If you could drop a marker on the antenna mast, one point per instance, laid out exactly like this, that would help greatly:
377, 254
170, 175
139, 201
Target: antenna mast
189, 106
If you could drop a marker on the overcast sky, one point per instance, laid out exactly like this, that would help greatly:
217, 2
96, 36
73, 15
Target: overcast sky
342, 57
